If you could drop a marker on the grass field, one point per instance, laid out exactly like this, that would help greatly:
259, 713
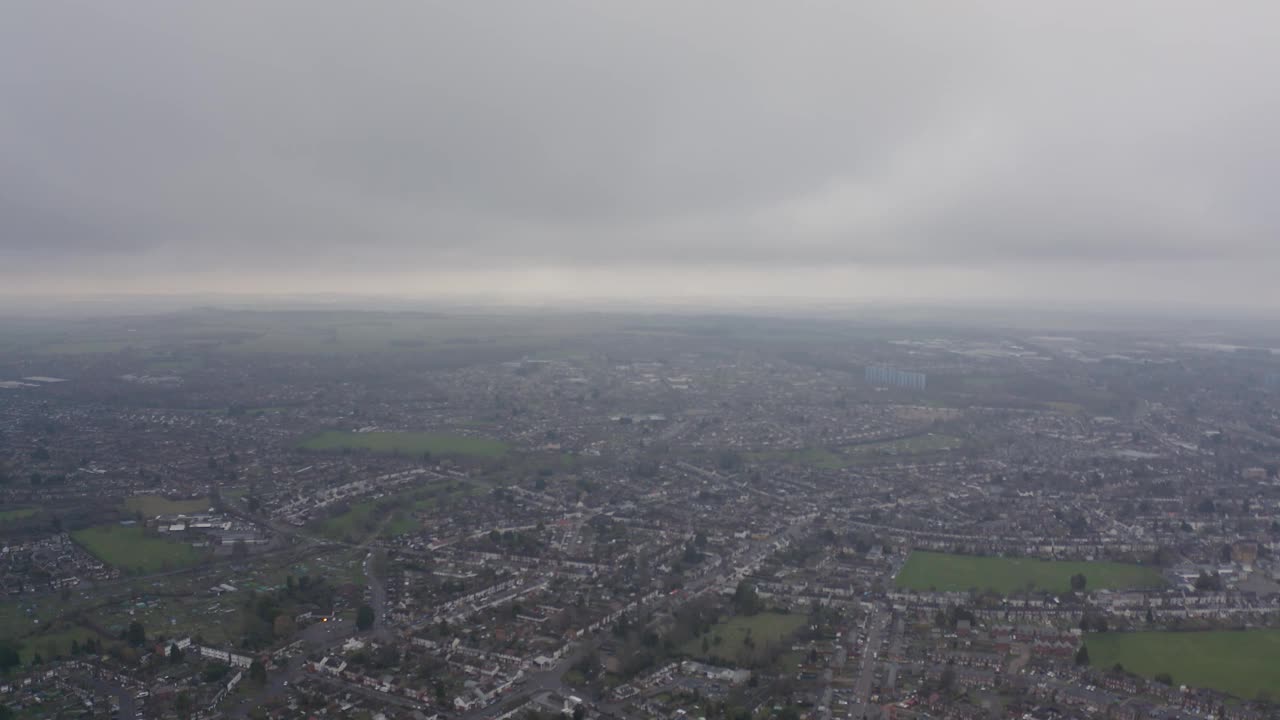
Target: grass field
152, 505
407, 443
363, 518
19, 514
354, 524
766, 629
126, 547
946, 572
851, 455
55, 644
1241, 663
927, 443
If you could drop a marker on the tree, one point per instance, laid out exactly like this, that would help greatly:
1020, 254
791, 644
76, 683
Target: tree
948, 678
1082, 655
175, 654
579, 712
182, 704
1164, 678
9, 657
258, 672
1209, 582
136, 635
745, 599
364, 618
1078, 582
284, 626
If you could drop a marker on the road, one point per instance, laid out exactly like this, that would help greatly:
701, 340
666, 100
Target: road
876, 624
377, 600
122, 694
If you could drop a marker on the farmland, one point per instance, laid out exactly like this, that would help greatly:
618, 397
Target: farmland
128, 548
946, 572
406, 443
1241, 662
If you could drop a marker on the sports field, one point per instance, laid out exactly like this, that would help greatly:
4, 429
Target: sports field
948, 572
152, 505
406, 443
1240, 662
128, 548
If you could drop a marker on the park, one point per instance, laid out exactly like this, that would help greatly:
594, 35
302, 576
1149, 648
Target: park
947, 572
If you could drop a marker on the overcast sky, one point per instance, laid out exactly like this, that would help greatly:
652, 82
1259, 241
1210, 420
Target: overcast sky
1039, 152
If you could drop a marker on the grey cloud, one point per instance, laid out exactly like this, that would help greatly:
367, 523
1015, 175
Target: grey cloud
159, 136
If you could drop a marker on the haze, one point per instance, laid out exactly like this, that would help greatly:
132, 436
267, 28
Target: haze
1097, 152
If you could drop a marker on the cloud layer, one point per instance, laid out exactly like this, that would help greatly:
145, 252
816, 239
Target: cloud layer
975, 147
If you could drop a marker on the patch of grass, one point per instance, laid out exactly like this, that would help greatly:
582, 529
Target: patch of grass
947, 572
55, 644
406, 443
765, 630
981, 382
851, 455
129, 548
350, 526
1068, 408
364, 517
1241, 663
401, 524
917, 444
152, 505
19, 514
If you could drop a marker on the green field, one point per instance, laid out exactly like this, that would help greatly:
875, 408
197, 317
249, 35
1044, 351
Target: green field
406, 443
767, 629
152, 505
946, 572
19, 514
393, 515
851, 455
128, 548
1240, 663
50, 645
354, 524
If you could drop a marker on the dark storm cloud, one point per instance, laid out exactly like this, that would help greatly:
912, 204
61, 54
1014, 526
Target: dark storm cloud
161, 136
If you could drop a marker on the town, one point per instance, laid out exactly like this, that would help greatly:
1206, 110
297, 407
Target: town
332, 514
